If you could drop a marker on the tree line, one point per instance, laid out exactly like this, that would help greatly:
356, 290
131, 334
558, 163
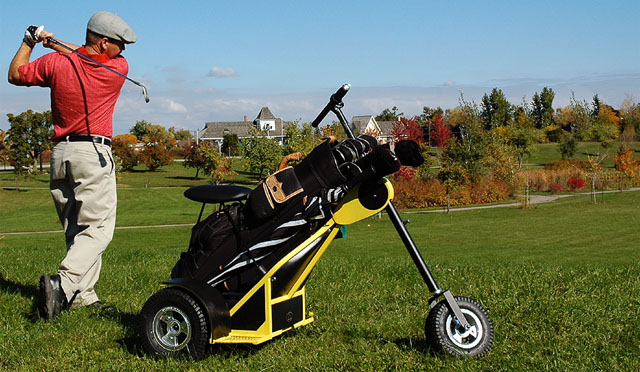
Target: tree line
471, 137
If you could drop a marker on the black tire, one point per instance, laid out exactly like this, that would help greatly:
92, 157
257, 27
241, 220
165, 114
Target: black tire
173, 324
444, 333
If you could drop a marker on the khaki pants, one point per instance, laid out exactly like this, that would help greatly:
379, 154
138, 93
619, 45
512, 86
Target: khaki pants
83, 187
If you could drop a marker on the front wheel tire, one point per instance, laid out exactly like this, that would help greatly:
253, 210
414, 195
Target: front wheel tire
445, 334
174, 325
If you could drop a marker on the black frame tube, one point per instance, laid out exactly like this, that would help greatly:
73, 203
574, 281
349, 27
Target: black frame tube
335, 105
415, 254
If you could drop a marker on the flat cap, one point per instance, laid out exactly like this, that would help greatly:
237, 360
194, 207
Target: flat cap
112, 26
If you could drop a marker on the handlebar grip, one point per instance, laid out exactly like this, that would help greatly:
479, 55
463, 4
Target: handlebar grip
335, 99
340, 93
321, 116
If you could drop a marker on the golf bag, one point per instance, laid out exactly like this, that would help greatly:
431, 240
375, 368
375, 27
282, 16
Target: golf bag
234, 247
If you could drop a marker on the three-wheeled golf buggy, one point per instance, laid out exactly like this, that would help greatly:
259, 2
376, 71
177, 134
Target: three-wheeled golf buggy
242, 279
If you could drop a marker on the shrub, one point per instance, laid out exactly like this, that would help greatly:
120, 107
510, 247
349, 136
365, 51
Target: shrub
407, 173
555, 187
418, 193
575, 183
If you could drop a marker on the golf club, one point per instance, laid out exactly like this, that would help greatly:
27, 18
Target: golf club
144, 89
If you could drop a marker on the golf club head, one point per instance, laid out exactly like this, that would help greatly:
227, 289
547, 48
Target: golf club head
144, 93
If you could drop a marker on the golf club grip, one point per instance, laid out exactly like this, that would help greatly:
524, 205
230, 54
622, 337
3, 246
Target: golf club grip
335, 99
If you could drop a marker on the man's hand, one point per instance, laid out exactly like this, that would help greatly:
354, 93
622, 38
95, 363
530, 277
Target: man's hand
32, 35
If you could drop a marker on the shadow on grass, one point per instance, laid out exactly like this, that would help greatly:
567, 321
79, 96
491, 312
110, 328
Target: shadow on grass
24, 290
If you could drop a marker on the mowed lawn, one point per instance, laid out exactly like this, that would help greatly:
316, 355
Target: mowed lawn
561, 283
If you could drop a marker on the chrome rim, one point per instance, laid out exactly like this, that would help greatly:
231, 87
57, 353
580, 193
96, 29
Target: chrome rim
171, 328
465, 339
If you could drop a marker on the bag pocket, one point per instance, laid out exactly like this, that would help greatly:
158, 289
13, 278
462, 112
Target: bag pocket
274, 192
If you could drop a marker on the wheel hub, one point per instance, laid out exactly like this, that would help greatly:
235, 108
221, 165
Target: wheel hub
465, 338
171, 328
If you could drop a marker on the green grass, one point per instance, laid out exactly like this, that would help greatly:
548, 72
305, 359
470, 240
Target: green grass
546, 152
560, 281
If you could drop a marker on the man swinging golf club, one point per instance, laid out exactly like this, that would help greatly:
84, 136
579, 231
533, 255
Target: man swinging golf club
82, 183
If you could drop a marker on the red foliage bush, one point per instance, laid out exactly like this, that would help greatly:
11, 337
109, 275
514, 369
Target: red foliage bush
407, 173
555, 187
575, 183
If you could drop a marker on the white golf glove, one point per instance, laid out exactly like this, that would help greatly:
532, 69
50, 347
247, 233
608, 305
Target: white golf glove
32, 35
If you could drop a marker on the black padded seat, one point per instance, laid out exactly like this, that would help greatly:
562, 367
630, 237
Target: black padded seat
217, 193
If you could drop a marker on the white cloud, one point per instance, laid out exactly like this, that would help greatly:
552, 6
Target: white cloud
449, 83
176, 107
222, 72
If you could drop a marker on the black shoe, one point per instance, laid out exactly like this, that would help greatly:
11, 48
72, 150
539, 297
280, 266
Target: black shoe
52, 297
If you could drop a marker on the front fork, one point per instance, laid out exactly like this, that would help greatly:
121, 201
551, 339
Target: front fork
408, 241
418, 260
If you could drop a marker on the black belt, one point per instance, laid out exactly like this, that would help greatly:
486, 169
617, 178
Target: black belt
94, 139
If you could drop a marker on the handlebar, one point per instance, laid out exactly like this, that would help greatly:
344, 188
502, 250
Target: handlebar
335, 100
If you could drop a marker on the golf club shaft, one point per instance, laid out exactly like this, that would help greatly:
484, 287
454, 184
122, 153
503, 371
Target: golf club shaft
144, 89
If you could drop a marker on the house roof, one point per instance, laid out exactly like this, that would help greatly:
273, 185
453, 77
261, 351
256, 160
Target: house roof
360, 122
386, 127
265, 114
217, 129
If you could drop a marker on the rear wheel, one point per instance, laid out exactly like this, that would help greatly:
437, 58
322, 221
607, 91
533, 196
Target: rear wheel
445, 333
175, 325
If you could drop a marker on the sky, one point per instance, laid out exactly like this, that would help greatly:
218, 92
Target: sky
205, 61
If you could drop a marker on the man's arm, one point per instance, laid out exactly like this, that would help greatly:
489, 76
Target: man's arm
23, 55
21, 58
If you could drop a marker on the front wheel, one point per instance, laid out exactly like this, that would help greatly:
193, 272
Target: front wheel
445, 334
174, 324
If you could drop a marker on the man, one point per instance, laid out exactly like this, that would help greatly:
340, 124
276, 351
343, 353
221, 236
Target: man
82, 182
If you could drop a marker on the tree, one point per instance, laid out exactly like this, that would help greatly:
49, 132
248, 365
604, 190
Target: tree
29, 136
263, 154
4, 151
193, 157
230, 144
407, 129
428, 113
568, 146
578, 118
452, 175
299, 139
389, 115
180, 134
440, 133
607, 123
522, 140
469, 148
140, 129
630, 112
542, 108
335, 129
625, 162
496, 110
158, 143
124, 147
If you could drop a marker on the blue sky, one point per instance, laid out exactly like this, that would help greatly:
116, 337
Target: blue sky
222, 60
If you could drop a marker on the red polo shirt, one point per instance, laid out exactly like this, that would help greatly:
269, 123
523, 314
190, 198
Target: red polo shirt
83, 94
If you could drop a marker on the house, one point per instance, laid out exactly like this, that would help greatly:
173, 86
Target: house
215, 131
367, 124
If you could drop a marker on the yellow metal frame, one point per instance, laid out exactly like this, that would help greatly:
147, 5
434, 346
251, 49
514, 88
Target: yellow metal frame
350, 210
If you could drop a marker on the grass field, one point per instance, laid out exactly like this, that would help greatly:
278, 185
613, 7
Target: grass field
560, 281
546, 152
